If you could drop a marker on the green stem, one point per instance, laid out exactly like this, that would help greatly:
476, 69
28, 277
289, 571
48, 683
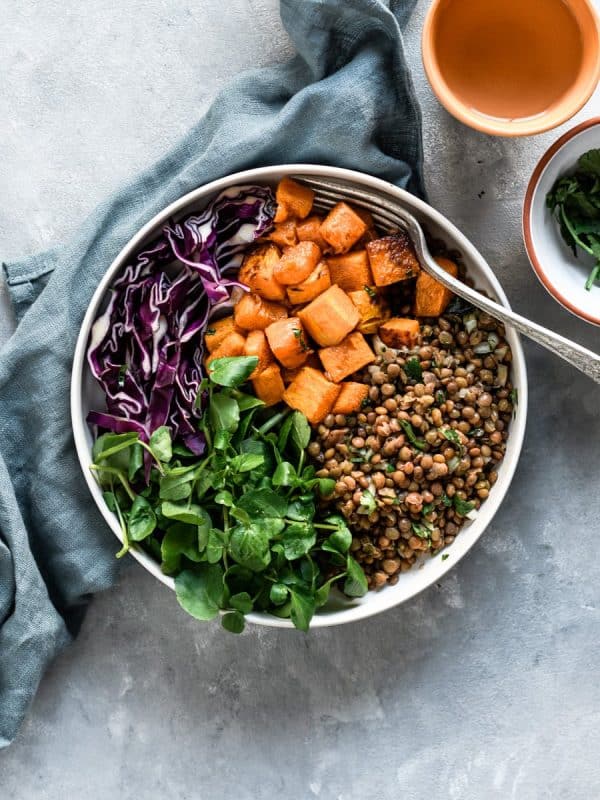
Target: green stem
120, 476
147, 447
271, 423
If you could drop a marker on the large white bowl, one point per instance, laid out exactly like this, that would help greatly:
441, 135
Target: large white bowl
86, 395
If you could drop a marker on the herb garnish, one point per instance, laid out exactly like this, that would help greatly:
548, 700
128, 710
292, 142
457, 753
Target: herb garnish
420, 444
575, 201
238, 528
371, 292
413, 369
463, 507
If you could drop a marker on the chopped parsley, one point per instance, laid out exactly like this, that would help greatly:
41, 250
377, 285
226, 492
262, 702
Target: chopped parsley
413, 369
463, 507
445, 556
368, 503
446, 500
428, 508
422, 529
371, 292
390, 468
420, 444
210, 332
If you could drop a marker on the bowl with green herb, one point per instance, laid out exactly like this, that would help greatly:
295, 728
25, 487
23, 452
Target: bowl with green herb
561, 221
355, 485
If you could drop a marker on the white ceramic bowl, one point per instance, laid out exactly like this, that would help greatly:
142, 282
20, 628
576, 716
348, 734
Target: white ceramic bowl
559, 271
86, 395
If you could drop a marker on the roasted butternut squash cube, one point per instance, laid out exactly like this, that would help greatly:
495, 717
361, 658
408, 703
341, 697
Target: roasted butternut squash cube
218, 330
347, 357
392, 259
287, 341
256, 272
316, 283
293, 200
343, 227
330, 316
350, 271
351, 398
284, 234
309, 230
311, 393
431, 298
252, 313
232, 345
268, 386
289, 375
400, 332
256, 345
372, 308
296, 264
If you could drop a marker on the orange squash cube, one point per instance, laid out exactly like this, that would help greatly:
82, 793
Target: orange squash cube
256, 272
372, 308
296, 264
330, 316
217, 330
400, 332
351, 398
284, 234
268, 386
343, 227
347, 357
293, 200
392, 259
254, 313
289, 375
316, 283
309, 230
311, 393
256, 345
287, 341
350, 271
431, 298
232, 345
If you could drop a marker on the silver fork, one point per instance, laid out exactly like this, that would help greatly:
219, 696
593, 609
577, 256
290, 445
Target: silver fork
389, 215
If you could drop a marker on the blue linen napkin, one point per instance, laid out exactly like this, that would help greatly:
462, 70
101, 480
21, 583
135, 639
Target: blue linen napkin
345, 99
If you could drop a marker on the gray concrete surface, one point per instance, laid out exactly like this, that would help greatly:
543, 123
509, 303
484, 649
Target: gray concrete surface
486, 685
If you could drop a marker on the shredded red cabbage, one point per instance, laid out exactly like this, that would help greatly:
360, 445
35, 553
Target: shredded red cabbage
146, 349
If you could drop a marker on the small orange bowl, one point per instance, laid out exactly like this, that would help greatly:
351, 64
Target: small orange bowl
513, 68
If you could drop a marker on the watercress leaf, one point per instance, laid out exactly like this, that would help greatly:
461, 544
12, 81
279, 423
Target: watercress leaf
142, 520
175, 487
108, 444
182, 451
302, 608
160, 444
223, 412
326, 486
355, 584
263, 502
190, 513
284, 432
224, 498
110, 500
249, 545
282, 611
243, 428
300, 431
278, 594
216, 542
590, 162
222, 440
240, 579
241, 514
248, 401
285, 474
298, 540
322, 593
259, 448
200, 591
233, 622
179, 540
338, 542
309, 571
301, 508
232, 371
242, 602
136, 460
247, 462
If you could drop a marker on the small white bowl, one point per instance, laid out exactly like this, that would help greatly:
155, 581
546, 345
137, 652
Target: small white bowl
559, 271
85, 393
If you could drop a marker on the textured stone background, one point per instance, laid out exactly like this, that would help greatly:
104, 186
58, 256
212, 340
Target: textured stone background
485, 686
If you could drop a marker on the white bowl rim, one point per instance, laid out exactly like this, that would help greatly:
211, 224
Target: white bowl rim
459, 241
527, 221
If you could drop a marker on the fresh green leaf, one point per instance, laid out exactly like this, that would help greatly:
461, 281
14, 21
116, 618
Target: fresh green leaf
284, 432
285, 474
200, 592
223, 412
454, 437
446, 500
232, 371
246, 402
322, 593
590, 162
445, 556
246, 462
242, 602
278, 594
355, 584
249, 545
110, 500
413, 369
298, 540
299, 431
338, 542
224, 498
109, 444
215, 545
302, 509
263, 502
179, 540
326, 486
233, 622
189, 513
222, 440
142, 520
136, 460
302, 608
160, 444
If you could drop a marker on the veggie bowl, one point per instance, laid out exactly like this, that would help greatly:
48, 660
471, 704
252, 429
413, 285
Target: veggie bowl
292, 372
